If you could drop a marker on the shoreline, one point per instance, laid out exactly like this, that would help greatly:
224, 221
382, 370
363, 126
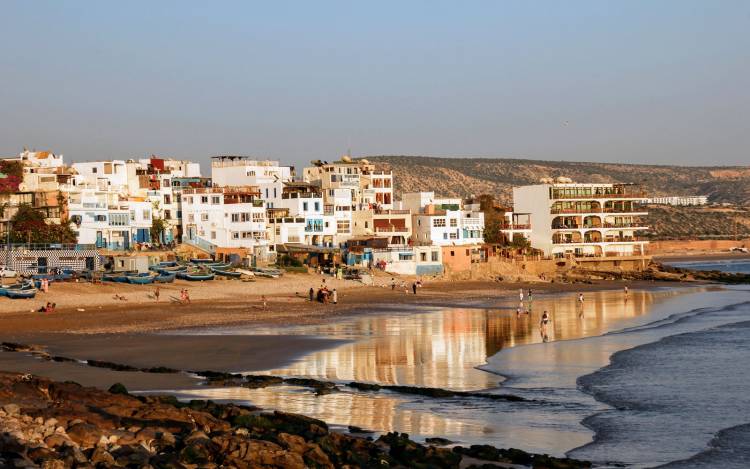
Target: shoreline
701, 257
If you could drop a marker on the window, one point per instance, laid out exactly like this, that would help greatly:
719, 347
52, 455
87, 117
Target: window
132, 215
454, 222
204, 217
213, 235
274, 193
453, 253
204, 199
304, 206
167, 214
342, 226
146, 214
216, 199
445, 235
266, 192
423, 256
438, 222
278, 231
251, 173
167, 199
317, 207
235, 235
435, 256
467, 253
258, 217
454, 236
93, 170
235, 218
405, 256
189, 199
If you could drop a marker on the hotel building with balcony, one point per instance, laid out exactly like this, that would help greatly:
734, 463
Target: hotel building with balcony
584, 221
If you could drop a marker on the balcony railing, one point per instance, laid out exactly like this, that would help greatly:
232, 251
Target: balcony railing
618, 239
392, 212
556, 211
391, 229
516, 226
613, 195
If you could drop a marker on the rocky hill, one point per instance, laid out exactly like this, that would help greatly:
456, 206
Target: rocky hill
697, 222
475, 176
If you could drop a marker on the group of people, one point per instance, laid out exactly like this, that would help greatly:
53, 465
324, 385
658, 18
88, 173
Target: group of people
414, 286
324, 295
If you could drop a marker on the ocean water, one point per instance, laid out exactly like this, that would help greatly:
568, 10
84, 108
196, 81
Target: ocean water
730, 265
658, 377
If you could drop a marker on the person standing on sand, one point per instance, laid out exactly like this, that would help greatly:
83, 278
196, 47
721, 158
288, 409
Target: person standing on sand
312, 294
626, 291
393, 283
414, 287
335, 296
156, 294
520, 294
580, 301
545, 320
263, 301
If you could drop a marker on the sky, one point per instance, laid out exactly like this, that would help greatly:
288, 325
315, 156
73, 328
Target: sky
637, 81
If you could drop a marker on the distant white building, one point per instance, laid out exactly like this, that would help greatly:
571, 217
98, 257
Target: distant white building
220, 219
443, 221
584, 220
680, 200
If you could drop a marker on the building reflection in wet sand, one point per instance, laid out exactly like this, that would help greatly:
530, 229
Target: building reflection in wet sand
442, 348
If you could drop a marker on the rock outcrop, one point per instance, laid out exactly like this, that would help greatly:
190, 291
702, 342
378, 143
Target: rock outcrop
54, 425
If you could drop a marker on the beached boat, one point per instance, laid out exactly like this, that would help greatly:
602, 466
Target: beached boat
268, 272
21, 293
165, 278
226, 273
195, 276
120, 277
141, 279
177, 268
15, 287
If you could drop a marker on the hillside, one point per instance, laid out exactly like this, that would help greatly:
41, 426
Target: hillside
697, 223
474, 176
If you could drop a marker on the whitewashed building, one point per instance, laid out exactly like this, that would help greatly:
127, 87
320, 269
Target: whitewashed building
443, 221
584, 220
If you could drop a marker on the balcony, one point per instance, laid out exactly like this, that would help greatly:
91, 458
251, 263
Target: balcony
515, 226
391, 229
302, 195
391, 212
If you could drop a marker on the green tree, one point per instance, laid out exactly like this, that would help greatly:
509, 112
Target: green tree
158, 227
29, 225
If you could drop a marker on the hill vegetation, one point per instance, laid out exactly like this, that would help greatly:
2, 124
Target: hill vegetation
463, 177
697, 222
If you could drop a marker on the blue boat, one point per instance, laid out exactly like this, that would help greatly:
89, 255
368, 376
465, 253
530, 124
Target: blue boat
120, 277
165, 278
226, 273
141, 279
195, 276
4, 289
21, 293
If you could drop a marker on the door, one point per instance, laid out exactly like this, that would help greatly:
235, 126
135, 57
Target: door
99, 239
41, 263
90, 264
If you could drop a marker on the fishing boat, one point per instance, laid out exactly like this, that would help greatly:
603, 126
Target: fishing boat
15, 286
218, 265
177, 268
195, 276
21, 293
141, 279
267, 272
165, 278
226, 273
120, 277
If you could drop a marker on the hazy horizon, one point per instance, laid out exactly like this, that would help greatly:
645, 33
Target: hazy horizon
629, 82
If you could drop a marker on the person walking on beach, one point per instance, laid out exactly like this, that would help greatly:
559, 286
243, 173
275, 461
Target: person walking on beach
335, 296
543, 322
414, 287
393, 283
156, 294
626, 291
263, 301
312, 294
580, 301
520, 294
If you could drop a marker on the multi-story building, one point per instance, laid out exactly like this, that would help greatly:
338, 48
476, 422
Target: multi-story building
395, 225
584, 220
680, 200
225, 220
443, 222
369, 186
266, 175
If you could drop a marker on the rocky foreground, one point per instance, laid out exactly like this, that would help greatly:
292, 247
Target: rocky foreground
49, 424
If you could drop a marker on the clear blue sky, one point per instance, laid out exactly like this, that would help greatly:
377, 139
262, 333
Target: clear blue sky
628, 81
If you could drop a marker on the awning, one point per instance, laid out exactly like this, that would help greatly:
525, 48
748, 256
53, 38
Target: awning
299, 247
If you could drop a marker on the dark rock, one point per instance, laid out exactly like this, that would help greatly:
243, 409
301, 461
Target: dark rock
355, 429
364, 386
261, 381
118, 388
110, 365
84, 434
437, 441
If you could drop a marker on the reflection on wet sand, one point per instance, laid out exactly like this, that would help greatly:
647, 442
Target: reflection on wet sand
442, 348
375, 412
